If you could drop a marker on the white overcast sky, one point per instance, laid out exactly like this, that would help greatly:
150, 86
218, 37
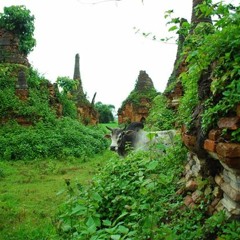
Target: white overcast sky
111, 53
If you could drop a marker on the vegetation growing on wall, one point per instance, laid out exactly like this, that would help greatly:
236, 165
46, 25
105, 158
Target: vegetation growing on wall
160, 116
49, 136
36, 108
135, 97
18, 20
212, 49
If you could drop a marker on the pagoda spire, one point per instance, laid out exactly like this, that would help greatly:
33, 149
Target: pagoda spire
76, 76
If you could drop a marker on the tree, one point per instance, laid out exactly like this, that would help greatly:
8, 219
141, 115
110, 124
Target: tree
67, 84
105, 112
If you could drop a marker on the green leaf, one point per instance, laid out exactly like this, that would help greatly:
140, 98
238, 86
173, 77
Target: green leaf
97, 197
115, 237
123, 229
107, 223
173, 28
152, 165
77, 209
91, 225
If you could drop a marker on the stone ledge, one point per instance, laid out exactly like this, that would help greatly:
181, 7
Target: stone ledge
232, 163
231, 192
231, 206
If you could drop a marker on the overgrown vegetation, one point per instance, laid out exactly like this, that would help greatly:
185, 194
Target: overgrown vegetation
160, 117
36, 108
136, 199
212, 51
144, 89
105, 112
18, 19
64, 138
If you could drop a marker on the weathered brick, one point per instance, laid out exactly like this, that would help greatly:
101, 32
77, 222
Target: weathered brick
197, 196
231, 123
188, 200
230, 205
215, 202
189, 141
219, 180
210, 145
232, 163
191, 185
230, 150
214, 134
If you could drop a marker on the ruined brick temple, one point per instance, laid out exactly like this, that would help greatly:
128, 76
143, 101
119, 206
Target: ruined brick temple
137, 105
86, 111
213, 164
11, 54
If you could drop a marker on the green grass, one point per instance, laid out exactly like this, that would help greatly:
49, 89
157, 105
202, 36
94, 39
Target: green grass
31, 193
111, 124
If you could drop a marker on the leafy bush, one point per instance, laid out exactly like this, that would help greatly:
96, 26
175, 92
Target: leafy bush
129, 199
61, 139
136, 199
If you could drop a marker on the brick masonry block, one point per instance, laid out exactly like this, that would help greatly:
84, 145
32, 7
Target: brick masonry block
189, 141
231, 123
214, 134
188, 200
232, 163
210, 145
231, 192
229, 150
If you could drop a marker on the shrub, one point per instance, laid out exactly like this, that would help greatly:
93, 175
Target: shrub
61, 139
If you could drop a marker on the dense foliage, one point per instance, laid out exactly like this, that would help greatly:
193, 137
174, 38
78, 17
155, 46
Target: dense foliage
160, 117
126, 200
105, 112
135, 97
63, 138
36, 108
48, 136
19, 20
212, 51
135, 199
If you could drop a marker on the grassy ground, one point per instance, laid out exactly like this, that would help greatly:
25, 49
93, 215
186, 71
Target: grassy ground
31, 192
